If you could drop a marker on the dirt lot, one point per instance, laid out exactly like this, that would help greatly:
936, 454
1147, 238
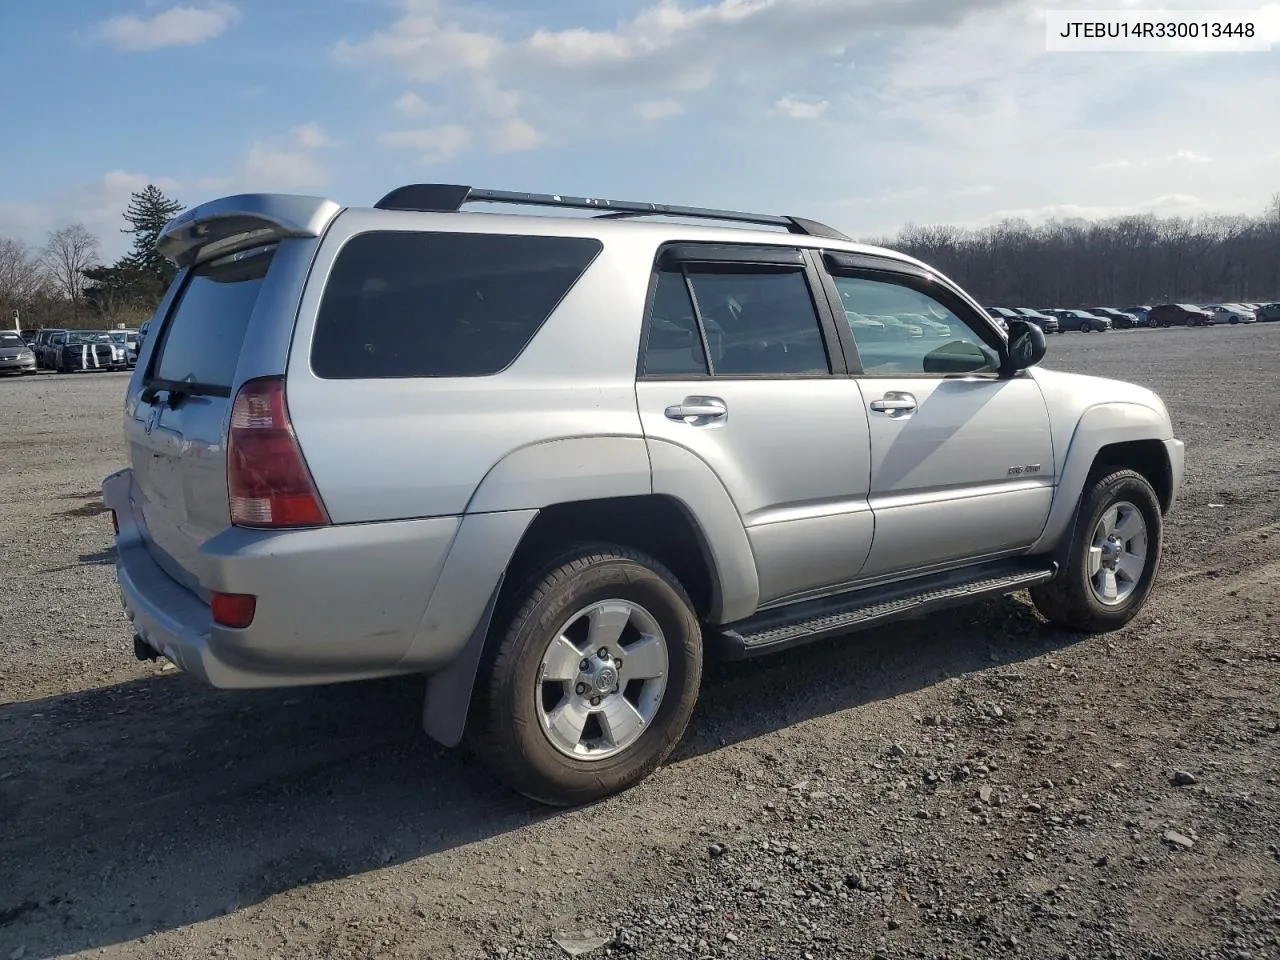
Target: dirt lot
975, 785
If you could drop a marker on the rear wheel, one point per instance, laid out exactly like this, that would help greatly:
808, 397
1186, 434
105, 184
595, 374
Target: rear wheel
1085, 326
1114, 557
594, 680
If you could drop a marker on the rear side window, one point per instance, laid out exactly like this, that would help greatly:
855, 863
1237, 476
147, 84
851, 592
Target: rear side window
411, 304
201, 342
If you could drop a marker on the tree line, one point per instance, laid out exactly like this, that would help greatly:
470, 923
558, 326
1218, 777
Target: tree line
64, 282
1117, 262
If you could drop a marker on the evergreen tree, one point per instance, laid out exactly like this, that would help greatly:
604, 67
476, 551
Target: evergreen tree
148, 211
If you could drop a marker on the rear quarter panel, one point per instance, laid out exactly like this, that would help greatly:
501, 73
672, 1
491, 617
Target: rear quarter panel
420, 447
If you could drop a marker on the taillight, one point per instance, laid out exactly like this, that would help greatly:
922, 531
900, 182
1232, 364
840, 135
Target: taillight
233, 610
267, 477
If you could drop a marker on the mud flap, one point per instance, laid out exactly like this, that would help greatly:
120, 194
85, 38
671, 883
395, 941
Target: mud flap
448, 699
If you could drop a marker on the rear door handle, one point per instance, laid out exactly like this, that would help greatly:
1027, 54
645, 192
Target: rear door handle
894, 404
698, 410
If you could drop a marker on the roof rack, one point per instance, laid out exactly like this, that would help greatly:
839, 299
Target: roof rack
450, 198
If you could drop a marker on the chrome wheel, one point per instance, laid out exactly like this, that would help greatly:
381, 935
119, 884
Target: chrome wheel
602, 680
1118, 553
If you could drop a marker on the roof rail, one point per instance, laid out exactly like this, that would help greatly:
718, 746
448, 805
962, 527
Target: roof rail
450, 198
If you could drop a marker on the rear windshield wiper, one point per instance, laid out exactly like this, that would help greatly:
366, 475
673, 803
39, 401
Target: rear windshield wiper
173, 395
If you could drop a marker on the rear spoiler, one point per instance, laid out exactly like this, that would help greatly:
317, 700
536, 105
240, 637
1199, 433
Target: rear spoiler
230, 223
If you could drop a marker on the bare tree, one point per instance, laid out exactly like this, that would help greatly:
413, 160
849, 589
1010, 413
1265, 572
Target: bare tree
67, 253
21, 274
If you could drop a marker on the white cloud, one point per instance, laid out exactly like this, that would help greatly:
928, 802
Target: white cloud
800, 109
311, 136
433, 144
1180, 156
885, 197
977, 190
288, 162
173, 27
1168, 205
515, 135
665, 44
659, 109
412, 106
270, 167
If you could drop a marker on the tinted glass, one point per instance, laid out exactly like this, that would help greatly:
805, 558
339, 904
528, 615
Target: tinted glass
11, 340
759, 323
202, 340
674, 346
440, 304
900, 331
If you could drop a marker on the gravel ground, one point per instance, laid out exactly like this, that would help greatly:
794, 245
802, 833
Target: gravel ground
973, 785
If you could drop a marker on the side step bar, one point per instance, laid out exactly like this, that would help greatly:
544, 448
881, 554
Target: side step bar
809, 620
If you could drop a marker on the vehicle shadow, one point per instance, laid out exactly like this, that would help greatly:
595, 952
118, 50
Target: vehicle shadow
159, 803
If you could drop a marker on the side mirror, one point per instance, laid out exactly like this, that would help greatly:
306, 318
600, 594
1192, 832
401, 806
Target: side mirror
1026, 346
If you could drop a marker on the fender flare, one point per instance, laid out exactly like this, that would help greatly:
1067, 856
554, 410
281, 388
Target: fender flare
504, 504
1098, 427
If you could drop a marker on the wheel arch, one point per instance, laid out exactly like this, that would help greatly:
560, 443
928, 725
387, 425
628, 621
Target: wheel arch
1122, 434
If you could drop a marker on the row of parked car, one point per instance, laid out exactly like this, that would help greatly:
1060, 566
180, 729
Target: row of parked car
1097, 319
69, 351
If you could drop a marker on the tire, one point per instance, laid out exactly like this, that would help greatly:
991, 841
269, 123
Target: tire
1084, 326
510, 727
1071, 599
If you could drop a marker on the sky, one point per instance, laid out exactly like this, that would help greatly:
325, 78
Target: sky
866, 114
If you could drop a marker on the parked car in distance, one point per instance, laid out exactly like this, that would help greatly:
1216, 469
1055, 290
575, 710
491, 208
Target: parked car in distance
1045, 321
28, 336
45, 347
1081, 321
1230, 313
1120, 319
84, 350
1269, 312
131, 342
930, 326
550, 463
1179, 315
1142, 311
15, 355
1002, 316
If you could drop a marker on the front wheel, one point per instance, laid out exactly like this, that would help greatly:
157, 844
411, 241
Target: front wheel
1084, 326
594, 680
1114, 556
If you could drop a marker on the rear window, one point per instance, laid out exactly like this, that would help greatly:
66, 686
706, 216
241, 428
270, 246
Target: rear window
201, 342
410, 304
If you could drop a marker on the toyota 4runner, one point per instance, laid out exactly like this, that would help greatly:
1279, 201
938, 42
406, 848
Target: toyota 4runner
552, 462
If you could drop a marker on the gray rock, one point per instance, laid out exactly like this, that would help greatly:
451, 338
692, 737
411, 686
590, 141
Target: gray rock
1179, 840
1181, 778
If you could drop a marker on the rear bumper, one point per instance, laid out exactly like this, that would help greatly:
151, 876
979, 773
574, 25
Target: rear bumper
347, 602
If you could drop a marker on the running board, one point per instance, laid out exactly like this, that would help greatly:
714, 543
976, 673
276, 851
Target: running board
809, 620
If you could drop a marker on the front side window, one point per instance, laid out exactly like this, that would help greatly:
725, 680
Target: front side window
901, 331
416, 304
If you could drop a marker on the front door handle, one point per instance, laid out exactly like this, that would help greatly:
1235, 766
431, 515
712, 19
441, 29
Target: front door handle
895, 404
698, 410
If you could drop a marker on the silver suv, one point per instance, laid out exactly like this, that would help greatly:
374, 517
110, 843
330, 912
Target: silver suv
552, 462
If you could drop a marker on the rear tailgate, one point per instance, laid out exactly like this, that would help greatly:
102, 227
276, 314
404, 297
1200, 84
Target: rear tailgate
229, 317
